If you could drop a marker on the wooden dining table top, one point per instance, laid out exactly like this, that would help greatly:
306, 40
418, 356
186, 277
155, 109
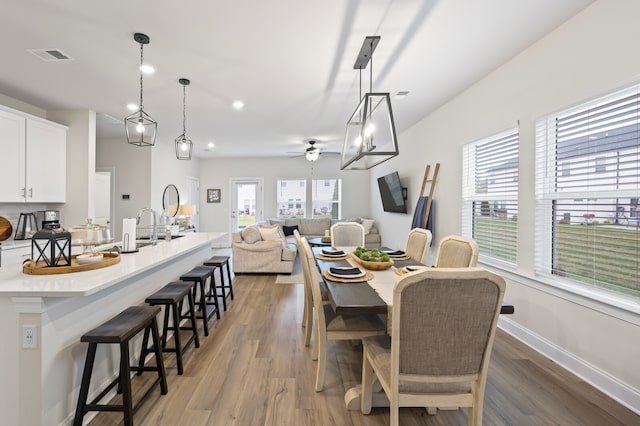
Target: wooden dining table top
361, 297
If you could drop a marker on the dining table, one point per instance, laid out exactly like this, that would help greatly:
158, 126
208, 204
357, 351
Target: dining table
372, 294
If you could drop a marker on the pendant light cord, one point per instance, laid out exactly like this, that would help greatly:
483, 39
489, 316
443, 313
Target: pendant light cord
184, 109
141, 63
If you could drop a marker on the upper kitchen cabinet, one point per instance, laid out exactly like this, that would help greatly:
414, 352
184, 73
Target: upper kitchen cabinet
34, 150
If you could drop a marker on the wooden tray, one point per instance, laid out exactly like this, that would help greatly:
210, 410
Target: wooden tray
30, 267
374, 266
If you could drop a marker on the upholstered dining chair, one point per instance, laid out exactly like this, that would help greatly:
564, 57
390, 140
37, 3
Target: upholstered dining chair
418, 242
307, 310
331, 326
458, 310
347, 234
456, 251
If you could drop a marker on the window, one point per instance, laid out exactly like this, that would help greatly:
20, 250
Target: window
490, 195
326, 197
587, 222
292, 197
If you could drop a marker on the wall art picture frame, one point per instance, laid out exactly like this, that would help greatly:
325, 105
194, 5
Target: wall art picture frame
213, 195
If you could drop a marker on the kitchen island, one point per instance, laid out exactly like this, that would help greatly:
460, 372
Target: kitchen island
40, 385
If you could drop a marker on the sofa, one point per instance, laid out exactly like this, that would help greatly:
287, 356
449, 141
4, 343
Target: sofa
270, 247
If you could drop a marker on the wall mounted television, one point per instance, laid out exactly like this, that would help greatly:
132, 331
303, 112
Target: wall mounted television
391, 192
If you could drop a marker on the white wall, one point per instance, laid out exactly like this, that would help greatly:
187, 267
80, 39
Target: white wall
592, 54
215, 173
132, 176
81, 165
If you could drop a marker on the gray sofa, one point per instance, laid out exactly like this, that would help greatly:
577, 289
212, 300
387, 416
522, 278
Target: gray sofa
253, 254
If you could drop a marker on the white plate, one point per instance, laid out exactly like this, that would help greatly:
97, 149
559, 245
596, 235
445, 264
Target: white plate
415, 268
360, 275
84, 259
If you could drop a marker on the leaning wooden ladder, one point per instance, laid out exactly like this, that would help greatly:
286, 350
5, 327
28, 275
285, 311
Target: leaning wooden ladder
426, 179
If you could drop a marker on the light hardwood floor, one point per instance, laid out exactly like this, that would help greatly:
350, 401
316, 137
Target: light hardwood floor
253, 369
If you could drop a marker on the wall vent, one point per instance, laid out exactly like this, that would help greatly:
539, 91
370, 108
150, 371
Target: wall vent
51, 55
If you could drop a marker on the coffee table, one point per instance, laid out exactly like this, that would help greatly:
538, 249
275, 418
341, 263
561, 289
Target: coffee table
317, 242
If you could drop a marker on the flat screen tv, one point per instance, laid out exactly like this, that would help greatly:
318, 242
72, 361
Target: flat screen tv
391, 193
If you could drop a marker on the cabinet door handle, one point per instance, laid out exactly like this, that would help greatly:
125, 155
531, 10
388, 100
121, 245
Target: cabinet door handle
24, 193
30, 192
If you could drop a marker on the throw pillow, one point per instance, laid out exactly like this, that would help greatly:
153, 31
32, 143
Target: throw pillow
251, 235
269, 233
368, 224
288, 230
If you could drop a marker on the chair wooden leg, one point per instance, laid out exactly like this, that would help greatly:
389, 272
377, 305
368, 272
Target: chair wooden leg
316, 348
367, 385
394, 411
321, 345
308, 315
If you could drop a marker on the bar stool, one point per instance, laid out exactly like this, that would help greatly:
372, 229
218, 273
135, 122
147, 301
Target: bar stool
120, 329
171, 296
221, 262
199, 275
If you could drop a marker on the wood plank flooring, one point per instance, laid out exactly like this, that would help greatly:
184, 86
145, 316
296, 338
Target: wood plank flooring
253, 369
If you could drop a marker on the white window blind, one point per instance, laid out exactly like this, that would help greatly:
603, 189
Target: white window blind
587, 190
490, 195
291, 197
326, 198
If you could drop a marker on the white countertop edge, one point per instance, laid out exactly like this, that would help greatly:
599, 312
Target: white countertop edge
14, 283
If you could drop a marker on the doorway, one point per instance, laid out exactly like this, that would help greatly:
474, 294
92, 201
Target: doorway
245, 203
193, 197
104, 197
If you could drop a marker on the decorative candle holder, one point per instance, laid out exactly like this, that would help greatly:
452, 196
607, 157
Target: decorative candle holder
53, 246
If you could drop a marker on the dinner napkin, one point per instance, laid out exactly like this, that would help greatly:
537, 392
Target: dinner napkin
333, 252
395, 253
345, 271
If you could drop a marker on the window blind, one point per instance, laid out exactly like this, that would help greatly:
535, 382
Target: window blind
490, 195
587, 190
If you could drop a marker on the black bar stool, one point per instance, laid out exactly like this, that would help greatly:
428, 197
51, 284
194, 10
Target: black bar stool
199, 275
171, 296
119, 330
221, 262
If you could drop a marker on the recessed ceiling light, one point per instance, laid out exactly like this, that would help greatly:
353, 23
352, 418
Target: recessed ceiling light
210, 145
132, 107
147, 69
401, 95
238, 104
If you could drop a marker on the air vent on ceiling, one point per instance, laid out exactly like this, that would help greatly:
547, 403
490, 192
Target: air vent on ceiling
51, 55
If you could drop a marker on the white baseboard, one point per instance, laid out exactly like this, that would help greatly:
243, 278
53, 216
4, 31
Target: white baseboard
617, 390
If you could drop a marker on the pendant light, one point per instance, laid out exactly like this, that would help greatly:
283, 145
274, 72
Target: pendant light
370, 137
184, 146
140, 127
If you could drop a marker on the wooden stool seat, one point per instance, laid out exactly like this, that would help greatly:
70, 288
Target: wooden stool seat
221, 262
200, 275
119, 330
171, 296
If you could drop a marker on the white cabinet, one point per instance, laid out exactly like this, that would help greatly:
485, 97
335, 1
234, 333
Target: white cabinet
12, 146
46, 158
35, 159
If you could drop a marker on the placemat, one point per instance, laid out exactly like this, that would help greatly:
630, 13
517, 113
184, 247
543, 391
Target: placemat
323, 257
368, 275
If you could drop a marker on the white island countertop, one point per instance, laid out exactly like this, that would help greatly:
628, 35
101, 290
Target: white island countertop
15, 283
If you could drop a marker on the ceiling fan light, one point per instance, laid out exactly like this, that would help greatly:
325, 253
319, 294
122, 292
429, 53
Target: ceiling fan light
313, 154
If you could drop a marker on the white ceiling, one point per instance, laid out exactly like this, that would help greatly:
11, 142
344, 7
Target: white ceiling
290, 61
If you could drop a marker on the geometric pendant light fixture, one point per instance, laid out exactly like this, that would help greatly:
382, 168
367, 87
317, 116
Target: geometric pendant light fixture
140, 127
370, 136
184, 146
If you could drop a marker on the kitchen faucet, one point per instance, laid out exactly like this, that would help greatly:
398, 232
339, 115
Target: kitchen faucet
154, 231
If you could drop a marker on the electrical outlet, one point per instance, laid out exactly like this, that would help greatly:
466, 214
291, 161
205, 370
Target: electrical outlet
29, 336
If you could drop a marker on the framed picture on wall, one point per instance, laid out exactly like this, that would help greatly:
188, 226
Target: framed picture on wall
213, 195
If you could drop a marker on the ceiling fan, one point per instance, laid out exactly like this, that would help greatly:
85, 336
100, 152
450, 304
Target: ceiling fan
312, 153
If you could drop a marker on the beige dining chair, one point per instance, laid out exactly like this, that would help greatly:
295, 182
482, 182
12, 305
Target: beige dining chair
418, 243
458, 310
307, 310
456, 251
347, 234
331, 326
